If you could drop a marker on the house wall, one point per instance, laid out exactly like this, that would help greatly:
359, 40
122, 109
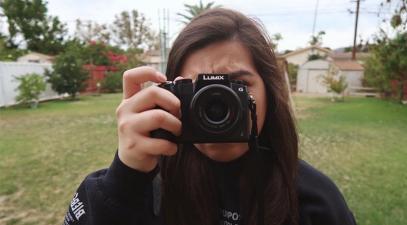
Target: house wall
8, 84
310, 81
154, 61
353, 78
302, 57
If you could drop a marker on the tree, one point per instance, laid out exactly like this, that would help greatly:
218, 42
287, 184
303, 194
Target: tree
315, 57
194, 10
317, 39
374, 74
68, 75
8, 54
134, 59
113, 82
292, 73
132, 30
399, 17
388, 61
95, 53
275, 38
91, 31
29, 89
29, 24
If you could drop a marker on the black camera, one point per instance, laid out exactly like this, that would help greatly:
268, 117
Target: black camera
213, 109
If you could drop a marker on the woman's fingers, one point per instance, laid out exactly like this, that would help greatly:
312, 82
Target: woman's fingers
147, 121
178, 78
156, 147
137, 115
151, 98
133, 78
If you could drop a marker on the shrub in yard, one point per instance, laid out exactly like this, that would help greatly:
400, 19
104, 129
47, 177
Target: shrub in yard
112, 82
336, 84
292, 74
387, 62
68, 75
29, 89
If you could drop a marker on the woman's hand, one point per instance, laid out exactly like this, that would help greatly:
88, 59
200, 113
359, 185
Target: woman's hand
137, 116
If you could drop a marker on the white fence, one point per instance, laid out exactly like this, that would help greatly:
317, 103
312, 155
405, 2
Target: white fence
8, 84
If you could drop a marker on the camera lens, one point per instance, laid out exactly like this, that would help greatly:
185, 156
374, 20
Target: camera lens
215, 109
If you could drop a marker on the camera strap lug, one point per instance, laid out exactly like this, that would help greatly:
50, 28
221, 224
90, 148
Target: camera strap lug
253, 115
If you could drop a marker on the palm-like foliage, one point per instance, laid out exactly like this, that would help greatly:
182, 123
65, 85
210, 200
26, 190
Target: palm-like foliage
195, 10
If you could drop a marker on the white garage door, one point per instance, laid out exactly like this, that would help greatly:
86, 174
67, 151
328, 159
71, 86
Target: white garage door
314, 81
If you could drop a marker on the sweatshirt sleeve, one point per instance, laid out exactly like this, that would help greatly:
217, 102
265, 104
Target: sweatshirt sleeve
320, 200
117, 195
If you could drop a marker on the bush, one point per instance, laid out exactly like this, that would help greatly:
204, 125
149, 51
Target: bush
335, 84
113, 82
68, 75
388, 62
292, 73
95, 53
30, 88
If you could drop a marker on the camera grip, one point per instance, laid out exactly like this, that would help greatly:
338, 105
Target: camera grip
163, 134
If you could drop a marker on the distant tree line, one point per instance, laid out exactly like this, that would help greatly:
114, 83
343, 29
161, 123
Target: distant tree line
32, 29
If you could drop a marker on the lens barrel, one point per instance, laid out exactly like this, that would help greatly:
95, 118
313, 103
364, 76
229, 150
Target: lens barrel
215, 108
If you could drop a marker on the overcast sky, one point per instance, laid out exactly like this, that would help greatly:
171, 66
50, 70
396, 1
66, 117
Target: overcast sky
292, 18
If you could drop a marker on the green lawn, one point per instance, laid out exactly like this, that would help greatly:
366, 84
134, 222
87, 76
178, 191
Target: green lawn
362, 145
45, 153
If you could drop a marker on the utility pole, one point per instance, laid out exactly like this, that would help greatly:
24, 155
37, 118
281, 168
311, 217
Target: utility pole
315, 18
164, 29
314, 24
356, 30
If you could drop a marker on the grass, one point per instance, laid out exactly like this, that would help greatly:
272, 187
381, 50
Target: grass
46, 153
362, 145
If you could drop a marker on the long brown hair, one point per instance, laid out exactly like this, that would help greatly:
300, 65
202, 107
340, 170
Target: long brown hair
189, 191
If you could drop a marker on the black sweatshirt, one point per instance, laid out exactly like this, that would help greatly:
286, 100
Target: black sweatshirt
121, 195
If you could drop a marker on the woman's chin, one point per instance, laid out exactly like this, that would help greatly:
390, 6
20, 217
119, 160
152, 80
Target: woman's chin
222, 152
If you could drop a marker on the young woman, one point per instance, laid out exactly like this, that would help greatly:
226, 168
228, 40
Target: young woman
155, 181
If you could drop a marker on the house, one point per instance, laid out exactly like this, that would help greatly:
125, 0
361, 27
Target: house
309, 79
153, 58
352, 71
360, 56
35, 57
8, 84
310, 75
300, 56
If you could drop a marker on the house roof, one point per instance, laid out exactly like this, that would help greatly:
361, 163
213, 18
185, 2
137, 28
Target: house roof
348, 55
306, 49
348, 65
319, 64
40, 55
